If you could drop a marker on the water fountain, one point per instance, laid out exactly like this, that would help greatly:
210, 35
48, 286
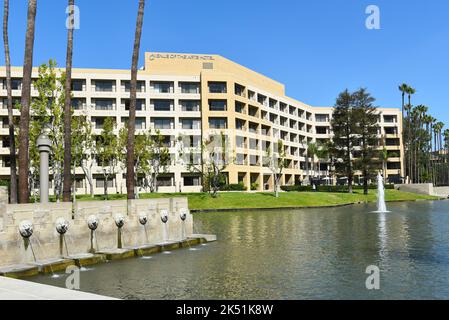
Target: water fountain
381, 205
183, 215
143, 220
164, 219
62, 226
26, 231
119, 222
92, 223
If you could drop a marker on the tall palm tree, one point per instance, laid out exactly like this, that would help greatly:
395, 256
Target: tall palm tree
12, 141
312, 150
66, 194
438, 131
24, 193
446, 147
403, 88
130, 176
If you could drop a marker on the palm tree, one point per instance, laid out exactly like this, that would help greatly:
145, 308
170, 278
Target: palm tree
438, 127
25, 104
403, 88
312, 149
130, 178
12, 141
66, 195
446, 147
322, 153
409, 91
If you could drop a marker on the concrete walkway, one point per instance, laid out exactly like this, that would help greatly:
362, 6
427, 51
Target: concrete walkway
12, 289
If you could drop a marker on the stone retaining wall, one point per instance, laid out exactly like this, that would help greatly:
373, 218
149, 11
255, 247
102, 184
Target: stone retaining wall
46, 241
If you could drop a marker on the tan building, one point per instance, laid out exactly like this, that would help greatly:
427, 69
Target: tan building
195, 96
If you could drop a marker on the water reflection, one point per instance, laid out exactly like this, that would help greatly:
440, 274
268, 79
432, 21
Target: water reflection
299, 254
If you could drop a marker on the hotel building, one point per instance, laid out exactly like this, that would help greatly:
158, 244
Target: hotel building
195, 96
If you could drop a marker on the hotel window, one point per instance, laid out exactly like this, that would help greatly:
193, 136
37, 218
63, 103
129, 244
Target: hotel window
100, 183
253, 127
239, 107
217, 87
218, 123
392, 142
126, 86
322, 130
393, 165
104, 104
253, 144
16, 84
192, 181
162, 87
240, 159
262, 99
162, 105
190, 124
189, 87
240, 142
253, 160
78, 84
240, 124
190, 105
322, 118
391, 130
239, 90
78, 103
15, 103
253, 111
162, 123
217, 105
140, 104
165, 181
104, 85
390, 119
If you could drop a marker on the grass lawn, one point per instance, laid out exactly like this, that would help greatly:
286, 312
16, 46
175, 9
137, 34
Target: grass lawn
232, 200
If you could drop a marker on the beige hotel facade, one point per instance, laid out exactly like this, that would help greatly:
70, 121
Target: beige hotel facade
195, 96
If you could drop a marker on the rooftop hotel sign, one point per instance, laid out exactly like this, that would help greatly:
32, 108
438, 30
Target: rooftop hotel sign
171, 56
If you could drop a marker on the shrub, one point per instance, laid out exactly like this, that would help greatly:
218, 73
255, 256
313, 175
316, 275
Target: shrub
254, 186
335, 189
233, 187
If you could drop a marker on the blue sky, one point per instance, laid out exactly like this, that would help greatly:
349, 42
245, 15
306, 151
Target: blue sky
316, 48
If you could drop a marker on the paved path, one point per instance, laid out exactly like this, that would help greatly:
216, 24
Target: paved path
12, 289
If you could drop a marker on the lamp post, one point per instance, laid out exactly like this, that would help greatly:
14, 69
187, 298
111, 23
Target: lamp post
44, 146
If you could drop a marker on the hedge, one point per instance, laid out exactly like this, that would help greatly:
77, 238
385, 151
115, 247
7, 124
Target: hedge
336, 189
233, 187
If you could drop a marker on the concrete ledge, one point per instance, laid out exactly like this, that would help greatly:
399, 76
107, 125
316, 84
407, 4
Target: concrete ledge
88, 259
80, 260
13, 289
169, 245
19, 271
147, 250
117, 254
53, 265
206, 237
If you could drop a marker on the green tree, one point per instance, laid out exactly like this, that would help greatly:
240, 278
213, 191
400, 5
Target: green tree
83, 149
48, 113
366, 117
276, 162
344, 126
107, 151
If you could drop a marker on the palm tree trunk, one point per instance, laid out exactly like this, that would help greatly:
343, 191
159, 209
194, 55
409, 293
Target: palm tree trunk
24, 196
66, 195
130, 185
12, 141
